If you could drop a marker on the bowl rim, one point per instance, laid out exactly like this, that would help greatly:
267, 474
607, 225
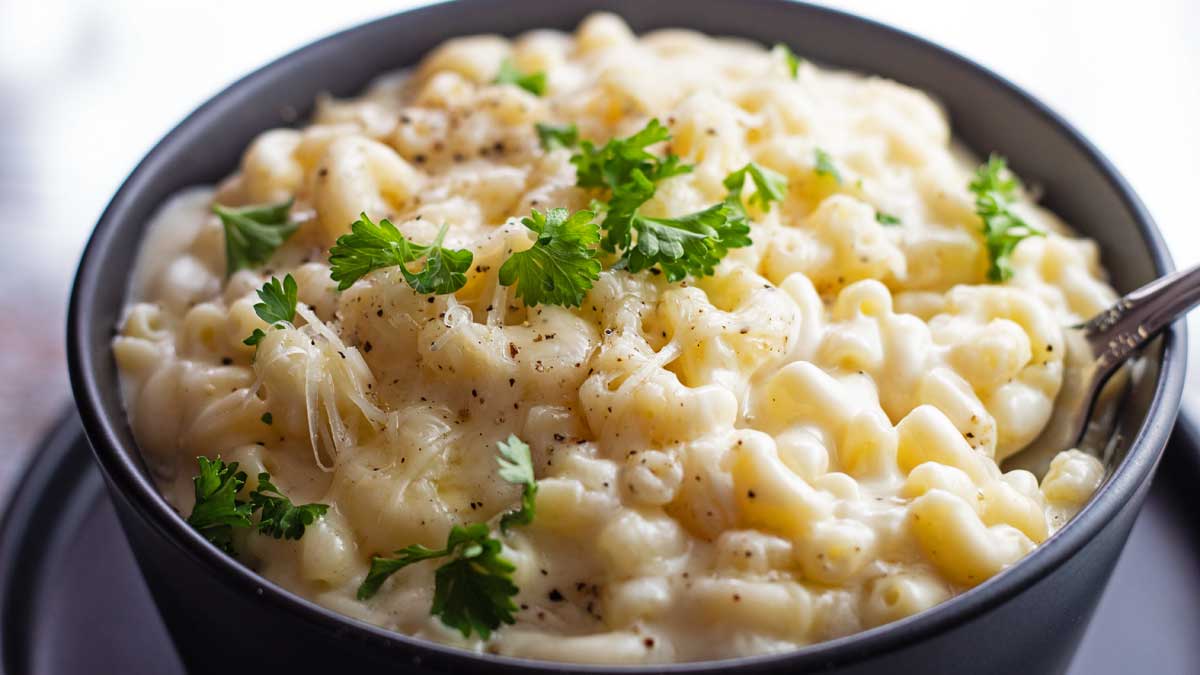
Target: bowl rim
123, 467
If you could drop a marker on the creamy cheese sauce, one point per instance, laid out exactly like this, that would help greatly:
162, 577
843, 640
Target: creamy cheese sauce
799, 447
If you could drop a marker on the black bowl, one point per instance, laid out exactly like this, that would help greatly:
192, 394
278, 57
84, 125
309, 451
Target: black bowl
1027, 619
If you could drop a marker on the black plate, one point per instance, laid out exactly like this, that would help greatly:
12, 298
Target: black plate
72, 599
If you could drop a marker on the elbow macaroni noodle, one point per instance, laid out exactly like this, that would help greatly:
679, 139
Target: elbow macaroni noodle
801, 446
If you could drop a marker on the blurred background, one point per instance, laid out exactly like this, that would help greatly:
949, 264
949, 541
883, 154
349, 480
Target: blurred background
88, 86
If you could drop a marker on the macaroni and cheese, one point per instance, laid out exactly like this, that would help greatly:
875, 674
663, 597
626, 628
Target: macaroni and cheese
801, 445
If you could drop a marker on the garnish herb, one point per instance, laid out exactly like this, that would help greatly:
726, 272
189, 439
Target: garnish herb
516, 466
266, 418
617, 162
252, 233
534, 83
473, 590
886, 218
280, 517
371, 246
688, 244
278, 306
557, 135
769, 186
561, 265
218, 510
826, 167
789, 57
691, 244
995, 189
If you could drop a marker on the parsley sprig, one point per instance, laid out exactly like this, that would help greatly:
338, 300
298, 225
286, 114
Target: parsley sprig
473, 590
280, 517
534, 83
769, 186
371, 246
826, 167
252, 233
557, 135
278, 306
995, 189
789, 58
689, 244
516, 466
218, 510
615, 164
561, 265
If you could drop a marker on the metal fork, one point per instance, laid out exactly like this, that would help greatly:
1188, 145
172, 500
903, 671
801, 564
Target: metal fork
1099, 347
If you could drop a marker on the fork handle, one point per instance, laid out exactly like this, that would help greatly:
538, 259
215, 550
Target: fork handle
1138, 317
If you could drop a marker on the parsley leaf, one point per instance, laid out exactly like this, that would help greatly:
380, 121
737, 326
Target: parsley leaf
252, 233
688, 244
534, 83
621, 160
218, 510
887, 218
371, 246
561, 265
281, 518
826, 167
621, 211
995, 189
278, 300
557, 135
683, 245
472, 591
382, 568
789, 57
368, 247
769, 186
475, 590
516, 466
278, 306
691, 244
445, 269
